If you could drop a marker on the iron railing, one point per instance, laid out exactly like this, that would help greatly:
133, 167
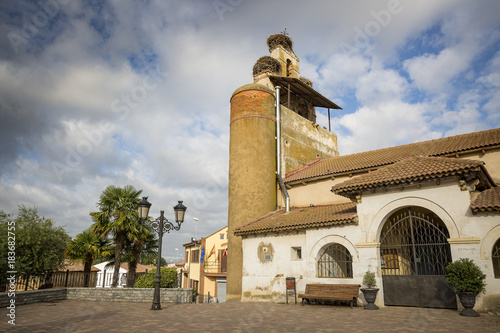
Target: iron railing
101, 279
215, 268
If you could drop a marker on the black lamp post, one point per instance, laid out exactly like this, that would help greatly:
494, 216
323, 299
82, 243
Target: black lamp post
161, 225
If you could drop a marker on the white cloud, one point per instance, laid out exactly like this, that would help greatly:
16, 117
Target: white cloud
77, 85
383, 125
339, 73
380, 85
433, 73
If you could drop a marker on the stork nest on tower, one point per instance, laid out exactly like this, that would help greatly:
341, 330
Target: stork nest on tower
277, 39
266, 63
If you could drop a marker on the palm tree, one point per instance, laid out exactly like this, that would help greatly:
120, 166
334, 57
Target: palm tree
87, 246
117, 216
144, 250
138, 246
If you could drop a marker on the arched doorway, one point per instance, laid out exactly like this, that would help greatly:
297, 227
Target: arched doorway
414, 252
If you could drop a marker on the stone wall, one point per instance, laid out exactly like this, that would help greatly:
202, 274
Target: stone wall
167, 295
33, 296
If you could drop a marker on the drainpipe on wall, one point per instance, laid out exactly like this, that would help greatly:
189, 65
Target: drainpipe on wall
278, 150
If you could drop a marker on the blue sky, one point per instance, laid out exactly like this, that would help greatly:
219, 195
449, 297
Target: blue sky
94, 93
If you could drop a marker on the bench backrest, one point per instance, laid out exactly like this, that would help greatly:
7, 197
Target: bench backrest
332, 289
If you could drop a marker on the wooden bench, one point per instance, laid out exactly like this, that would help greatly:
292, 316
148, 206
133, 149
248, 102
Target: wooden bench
336, 292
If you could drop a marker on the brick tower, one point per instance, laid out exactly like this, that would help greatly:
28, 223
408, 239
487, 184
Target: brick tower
253, 190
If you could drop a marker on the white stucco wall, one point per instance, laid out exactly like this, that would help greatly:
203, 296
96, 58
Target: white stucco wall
109, 275
471, 236
265, 280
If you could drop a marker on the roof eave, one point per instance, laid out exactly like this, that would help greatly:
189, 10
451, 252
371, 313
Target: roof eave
357, 190
353, 220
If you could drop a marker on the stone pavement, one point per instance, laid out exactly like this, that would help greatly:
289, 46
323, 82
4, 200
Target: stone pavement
86, 316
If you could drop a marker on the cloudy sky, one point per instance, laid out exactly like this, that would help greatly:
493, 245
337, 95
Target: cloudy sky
94, 93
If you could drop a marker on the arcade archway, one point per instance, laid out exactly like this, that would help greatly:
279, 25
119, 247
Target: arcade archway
414, 252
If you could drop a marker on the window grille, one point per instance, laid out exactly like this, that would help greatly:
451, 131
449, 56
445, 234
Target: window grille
495, 256
335, 261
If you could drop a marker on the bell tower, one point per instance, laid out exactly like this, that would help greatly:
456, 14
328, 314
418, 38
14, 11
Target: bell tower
280, 47
282, 61
253, 154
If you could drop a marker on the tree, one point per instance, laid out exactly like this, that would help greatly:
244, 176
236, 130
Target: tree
168, 278
141, 250
142, 244
117, 216
151, 259
39, 244
86, 246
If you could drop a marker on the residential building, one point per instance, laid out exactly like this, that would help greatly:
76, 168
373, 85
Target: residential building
191, 273
205, 266
214, 266
76, 266
106, 273
180, 266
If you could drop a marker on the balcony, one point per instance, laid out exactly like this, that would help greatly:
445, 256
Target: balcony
215, 268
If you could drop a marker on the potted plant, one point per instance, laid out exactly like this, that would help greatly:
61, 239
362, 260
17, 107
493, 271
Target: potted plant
467, 280
370, 293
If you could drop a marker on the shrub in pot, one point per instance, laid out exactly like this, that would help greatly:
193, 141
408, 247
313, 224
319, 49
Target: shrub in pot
370, 293
467, 280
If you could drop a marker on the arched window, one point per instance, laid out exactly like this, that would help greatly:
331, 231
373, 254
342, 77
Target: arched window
495, 256
289, 67
335, 262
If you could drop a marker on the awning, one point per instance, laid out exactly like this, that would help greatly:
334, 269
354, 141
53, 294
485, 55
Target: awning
304, 91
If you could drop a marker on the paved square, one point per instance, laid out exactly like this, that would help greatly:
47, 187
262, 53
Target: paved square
85, 316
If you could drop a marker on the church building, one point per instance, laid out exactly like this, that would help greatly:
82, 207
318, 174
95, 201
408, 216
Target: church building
299, 209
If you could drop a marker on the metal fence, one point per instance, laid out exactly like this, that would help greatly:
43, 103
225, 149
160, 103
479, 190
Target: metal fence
56, 279
101, 279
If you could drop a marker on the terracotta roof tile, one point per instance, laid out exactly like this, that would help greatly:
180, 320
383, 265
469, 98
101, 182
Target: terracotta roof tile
410, 170
139, 268
77, 266
487, 201
301, 218
377, 158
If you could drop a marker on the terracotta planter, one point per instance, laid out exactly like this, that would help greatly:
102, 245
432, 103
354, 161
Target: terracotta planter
468, 300
370, 296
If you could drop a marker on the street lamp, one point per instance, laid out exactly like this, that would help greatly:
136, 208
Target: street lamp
161, 225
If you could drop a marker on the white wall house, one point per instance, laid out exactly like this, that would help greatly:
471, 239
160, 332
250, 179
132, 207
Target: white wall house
105, 276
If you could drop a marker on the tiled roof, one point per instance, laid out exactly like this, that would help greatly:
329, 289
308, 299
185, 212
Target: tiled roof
77, 266
487, 201
377, 158
139, 268
301, 218
410, 170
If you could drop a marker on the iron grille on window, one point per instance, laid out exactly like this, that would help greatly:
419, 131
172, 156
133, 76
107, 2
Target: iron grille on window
495, 256
335, 261
414, 242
